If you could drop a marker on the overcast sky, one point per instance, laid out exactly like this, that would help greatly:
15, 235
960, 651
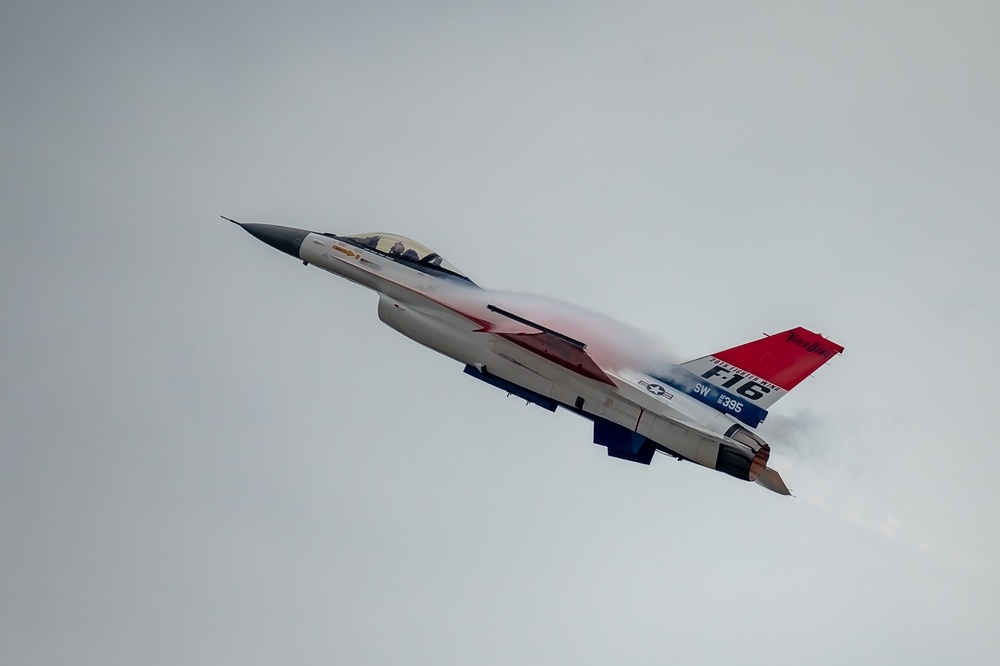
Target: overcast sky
212, 455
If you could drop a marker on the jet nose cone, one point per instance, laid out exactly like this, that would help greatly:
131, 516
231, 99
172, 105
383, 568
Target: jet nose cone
286, 239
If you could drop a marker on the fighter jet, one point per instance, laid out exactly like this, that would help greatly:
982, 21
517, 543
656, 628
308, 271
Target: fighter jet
556, 356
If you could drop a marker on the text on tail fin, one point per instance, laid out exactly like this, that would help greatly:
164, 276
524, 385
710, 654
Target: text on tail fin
764, 370
784, 359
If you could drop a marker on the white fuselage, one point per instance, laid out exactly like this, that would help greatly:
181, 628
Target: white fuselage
454, 317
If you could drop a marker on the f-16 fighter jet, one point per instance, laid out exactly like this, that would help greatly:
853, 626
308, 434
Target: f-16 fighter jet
556, 356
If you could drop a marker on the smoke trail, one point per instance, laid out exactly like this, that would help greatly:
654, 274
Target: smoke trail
799, 435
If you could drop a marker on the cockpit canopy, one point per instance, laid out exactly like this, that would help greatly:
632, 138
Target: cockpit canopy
404, 248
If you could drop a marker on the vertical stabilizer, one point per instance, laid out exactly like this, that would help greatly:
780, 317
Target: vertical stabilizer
764, 370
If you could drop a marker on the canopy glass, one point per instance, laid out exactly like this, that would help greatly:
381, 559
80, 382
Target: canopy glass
404, 248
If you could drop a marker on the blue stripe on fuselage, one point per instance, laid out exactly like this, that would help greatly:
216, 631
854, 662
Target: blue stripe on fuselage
739, 408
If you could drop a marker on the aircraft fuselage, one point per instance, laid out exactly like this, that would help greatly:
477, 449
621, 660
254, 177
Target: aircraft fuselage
548, 353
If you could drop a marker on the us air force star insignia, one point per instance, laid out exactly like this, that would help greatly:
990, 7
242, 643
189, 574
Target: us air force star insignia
655, 389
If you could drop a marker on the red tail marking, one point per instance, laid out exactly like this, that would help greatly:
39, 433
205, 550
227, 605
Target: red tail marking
784, 359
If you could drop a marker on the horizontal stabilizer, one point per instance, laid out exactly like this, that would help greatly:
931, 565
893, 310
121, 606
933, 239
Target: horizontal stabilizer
771, 480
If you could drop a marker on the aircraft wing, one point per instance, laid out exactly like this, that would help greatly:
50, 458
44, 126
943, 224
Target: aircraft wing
552, 345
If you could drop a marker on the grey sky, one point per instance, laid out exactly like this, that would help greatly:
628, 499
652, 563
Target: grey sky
209, 454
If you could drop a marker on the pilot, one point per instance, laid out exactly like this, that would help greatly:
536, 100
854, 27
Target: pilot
400, 250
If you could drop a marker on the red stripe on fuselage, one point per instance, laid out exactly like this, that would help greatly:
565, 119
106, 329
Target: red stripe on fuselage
560, 352
543, 344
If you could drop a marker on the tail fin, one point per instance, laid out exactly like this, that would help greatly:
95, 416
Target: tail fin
764, 370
